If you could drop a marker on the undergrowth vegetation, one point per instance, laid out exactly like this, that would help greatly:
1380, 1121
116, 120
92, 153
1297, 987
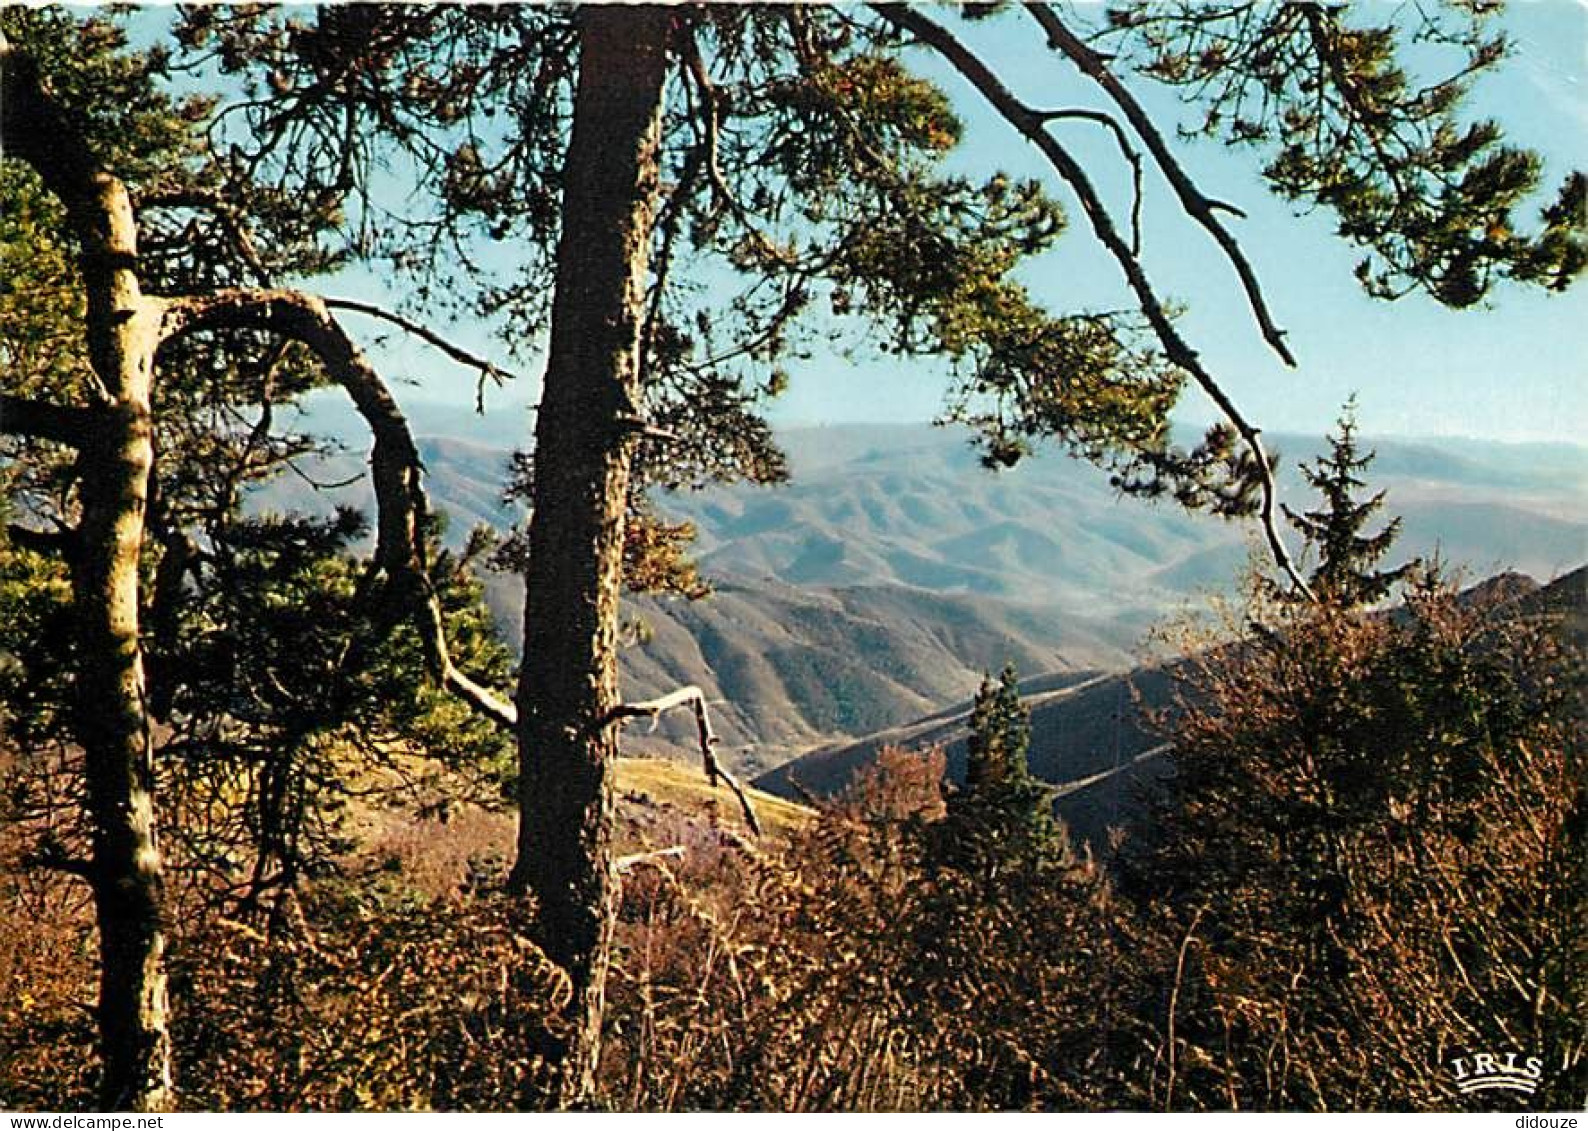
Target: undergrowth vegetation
1369, 862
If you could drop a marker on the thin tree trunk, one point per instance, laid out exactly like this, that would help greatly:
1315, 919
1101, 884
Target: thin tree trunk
111, 714
583, 442
116, 453
112, 717
113, 727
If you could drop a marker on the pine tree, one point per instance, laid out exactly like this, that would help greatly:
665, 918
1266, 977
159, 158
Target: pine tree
1000, 735
1345, 571
1006, 919
139, 386
1003, 816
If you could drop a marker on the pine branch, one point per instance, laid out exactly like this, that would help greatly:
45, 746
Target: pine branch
1030, 125
230, 217
400, 500
1198, 206
625, 863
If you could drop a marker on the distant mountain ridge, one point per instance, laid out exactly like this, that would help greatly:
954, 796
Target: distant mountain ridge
893, 570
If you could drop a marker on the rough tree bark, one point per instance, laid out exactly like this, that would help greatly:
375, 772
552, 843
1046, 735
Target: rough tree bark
111, 717
584, 437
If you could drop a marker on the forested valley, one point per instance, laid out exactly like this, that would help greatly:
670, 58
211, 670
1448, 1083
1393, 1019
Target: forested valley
289, 823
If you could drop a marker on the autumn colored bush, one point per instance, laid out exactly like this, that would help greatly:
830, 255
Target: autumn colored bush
872, 964
1371, 862
365, 997
49, 974
396, 978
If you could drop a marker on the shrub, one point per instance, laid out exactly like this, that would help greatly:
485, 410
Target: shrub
1372, 860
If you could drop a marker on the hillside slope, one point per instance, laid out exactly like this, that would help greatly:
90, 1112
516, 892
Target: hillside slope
1088, 734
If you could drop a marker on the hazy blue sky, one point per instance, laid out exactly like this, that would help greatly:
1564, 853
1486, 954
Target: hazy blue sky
1515, 370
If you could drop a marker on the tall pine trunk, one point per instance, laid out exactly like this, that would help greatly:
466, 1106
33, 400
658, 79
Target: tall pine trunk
584, 438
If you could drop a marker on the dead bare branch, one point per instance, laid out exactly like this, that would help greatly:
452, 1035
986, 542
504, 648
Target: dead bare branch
695, 698
1128, 151
625, 863
486, 368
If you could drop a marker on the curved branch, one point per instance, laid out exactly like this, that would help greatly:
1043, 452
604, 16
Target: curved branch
394, 460
36, 130
1030, 125
695, 698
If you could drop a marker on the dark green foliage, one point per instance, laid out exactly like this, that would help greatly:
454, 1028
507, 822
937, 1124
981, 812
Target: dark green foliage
1000, 732
1350, 122
35, 631
278, 698
204, 221
1007, 925
1003, 818
286, 693
1344, 571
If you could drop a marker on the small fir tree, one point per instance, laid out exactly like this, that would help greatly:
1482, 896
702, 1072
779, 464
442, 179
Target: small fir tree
1001, 899
1000, 734
1003, 815
1347, 557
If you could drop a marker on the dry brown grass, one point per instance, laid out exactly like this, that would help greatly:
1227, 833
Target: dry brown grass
404, 982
